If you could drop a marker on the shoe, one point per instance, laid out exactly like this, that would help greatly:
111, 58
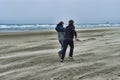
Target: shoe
59, 54
61, 60
71, 58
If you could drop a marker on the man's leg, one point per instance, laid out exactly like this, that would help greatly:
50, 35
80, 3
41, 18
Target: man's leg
71, 43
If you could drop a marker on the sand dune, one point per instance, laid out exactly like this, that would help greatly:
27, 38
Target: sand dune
33, 56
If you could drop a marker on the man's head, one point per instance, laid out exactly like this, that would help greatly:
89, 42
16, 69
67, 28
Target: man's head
71, 23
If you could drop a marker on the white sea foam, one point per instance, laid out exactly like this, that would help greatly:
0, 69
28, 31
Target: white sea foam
18, 27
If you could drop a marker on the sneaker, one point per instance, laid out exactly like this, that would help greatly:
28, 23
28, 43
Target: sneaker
71, 58
61, 60
59, 54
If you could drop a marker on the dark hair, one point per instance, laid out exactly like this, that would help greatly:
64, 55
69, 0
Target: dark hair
60, 23
71, 23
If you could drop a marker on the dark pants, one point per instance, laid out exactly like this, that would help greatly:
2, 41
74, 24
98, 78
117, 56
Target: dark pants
65, 45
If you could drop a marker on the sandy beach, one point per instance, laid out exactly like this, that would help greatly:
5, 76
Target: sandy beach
33, 55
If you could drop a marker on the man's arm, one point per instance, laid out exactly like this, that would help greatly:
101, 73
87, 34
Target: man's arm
75, 34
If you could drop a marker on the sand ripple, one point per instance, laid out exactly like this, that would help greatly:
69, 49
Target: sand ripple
96, 56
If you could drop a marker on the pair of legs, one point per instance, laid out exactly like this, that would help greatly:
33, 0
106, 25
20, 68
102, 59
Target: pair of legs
65, 45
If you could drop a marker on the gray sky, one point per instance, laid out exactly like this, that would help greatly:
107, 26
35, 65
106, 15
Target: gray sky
53, 11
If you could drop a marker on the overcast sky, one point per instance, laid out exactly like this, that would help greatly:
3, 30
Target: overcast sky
53, 11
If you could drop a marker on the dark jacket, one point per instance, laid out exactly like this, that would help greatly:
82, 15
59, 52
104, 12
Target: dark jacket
60, 29
70, 33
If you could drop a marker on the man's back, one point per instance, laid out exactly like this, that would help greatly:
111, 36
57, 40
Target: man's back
70, 32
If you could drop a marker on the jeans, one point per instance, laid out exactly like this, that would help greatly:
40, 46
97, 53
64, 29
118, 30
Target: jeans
61, 38
61, 43
65, 45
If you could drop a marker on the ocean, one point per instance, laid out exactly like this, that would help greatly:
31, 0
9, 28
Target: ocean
29, 27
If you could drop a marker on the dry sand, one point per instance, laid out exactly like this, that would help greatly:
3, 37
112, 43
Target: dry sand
33, 56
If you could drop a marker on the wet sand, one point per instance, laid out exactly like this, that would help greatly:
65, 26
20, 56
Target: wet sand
33, 56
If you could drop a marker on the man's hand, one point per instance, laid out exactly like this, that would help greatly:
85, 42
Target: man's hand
77, 39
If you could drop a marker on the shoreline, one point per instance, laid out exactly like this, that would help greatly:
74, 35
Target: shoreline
53, 31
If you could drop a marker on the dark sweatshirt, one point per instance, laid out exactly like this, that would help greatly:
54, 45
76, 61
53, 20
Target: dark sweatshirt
70, 33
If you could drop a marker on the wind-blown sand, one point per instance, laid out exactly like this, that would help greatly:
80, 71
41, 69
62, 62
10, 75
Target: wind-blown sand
33, 56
